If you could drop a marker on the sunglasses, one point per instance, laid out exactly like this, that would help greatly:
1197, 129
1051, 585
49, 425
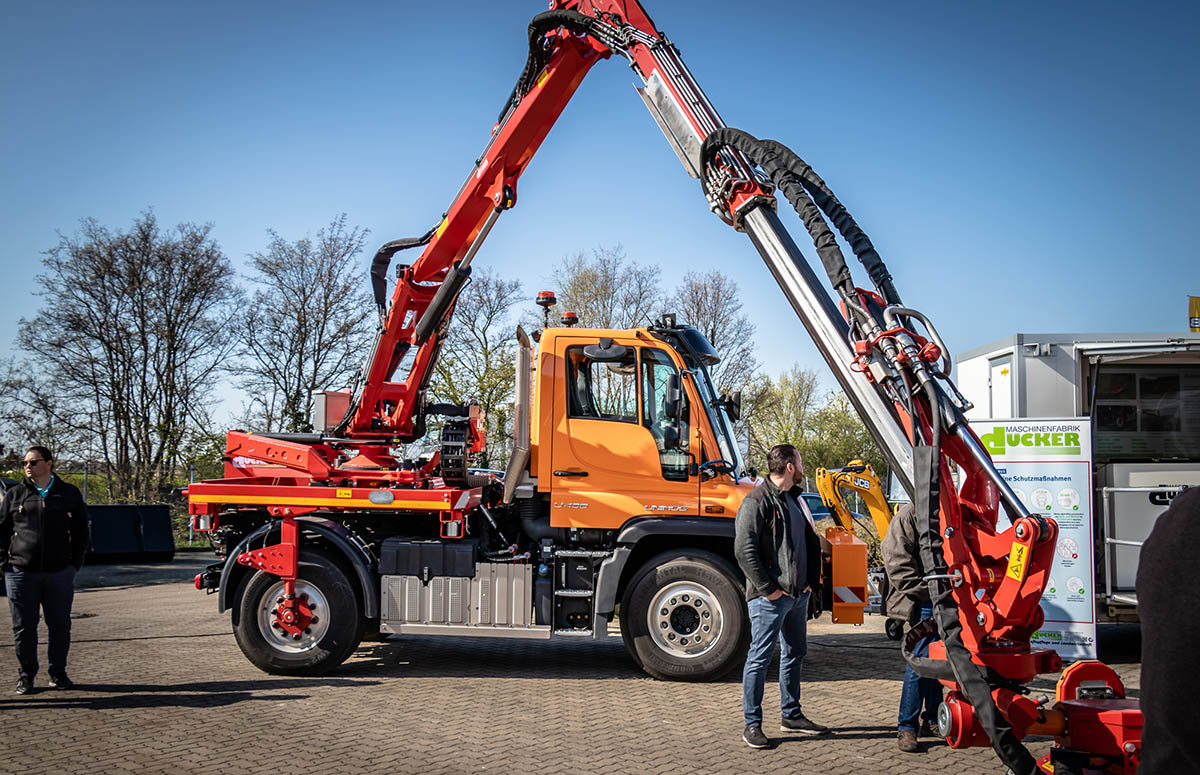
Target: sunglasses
31, 462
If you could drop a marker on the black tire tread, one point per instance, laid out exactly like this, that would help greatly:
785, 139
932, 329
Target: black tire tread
731, 653
340, 641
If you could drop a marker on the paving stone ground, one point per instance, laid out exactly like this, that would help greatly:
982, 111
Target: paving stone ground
163, 687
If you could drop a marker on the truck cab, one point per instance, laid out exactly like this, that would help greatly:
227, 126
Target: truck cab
630, 425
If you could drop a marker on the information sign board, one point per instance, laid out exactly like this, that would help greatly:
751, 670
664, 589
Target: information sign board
1048, 462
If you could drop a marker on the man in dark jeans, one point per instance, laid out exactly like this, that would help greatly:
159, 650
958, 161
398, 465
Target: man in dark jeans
908, 598
43, 538
777, 549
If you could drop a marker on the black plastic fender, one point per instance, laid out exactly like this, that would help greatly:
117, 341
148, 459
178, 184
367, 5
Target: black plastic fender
608, 578
337, 535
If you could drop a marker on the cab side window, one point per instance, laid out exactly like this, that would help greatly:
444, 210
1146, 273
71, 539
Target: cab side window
601, 390
670, 436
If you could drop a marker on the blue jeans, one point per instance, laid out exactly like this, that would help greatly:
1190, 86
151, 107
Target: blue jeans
920, 692
784, 620
29, 591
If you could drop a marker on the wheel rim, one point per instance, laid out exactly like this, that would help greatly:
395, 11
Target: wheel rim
685, 619
279, 640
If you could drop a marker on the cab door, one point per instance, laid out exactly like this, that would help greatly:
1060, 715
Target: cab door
616, 454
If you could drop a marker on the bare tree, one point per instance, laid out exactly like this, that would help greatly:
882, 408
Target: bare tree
30, 413
132, 335
307, 325
710, 302
607, 290
478, 358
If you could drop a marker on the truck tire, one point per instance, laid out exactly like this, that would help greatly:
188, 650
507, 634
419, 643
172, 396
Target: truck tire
683, 617
330, 640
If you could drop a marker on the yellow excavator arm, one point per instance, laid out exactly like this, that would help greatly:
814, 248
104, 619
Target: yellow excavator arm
856, 477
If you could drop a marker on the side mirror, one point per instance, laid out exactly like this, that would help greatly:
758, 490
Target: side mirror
607, 352
733, 405
673, 400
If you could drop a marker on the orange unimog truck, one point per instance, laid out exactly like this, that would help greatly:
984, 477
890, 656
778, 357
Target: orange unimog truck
621, 490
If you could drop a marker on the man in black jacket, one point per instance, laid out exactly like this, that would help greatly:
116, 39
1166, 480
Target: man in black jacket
43, 538
778, 551
1167, 602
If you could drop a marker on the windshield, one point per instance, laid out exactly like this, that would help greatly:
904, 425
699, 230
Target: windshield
718, 419
698, 354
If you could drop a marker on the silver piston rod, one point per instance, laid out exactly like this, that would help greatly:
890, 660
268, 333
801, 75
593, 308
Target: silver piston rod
828, 330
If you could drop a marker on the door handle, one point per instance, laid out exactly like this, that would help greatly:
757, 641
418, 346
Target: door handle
570, 473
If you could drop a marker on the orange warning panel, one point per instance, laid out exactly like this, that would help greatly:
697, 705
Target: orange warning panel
849, 575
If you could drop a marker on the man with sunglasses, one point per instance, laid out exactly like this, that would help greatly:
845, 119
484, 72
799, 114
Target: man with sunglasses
43, 538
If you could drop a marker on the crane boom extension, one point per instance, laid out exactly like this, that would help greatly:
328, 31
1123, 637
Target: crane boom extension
985, 584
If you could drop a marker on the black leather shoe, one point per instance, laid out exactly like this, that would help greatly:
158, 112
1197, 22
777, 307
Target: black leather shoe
24, 686
802, 724
61, 682
754, 737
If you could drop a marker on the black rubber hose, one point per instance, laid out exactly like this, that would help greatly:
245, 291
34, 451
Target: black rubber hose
539, 56
969, 676
821, 195
793, 189
383, 257
859, 242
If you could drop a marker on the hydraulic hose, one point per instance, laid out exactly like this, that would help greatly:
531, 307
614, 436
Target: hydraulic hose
969, 676
539, 55
826, 245
383, 257
804, 189
824, 197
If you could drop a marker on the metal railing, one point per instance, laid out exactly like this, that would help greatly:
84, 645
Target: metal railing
1109, 523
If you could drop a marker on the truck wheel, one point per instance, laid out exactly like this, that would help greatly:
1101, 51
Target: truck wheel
894, 629
683, 617
325, 644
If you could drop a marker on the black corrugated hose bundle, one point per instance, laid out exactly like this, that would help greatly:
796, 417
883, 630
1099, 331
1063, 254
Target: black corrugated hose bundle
814, 202
539, 54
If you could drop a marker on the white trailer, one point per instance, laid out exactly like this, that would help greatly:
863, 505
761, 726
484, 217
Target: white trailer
1142, 392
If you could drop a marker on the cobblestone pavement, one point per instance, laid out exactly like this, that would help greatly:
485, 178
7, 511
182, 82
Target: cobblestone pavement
163, 686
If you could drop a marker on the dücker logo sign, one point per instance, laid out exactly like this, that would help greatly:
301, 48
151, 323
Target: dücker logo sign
1006, 439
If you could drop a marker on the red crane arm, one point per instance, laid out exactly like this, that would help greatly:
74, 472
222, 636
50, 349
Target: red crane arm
576, 34
389, 401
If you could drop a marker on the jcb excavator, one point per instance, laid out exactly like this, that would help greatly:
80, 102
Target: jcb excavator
626, 495
850, 582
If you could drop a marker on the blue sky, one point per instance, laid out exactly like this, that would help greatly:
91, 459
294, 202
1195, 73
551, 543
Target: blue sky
1020, 166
